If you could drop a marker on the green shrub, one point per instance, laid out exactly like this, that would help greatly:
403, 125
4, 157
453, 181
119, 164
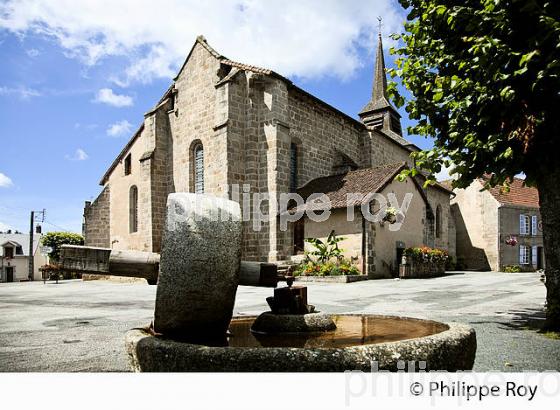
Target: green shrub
335, 268
512, 269
325, 251
56, 239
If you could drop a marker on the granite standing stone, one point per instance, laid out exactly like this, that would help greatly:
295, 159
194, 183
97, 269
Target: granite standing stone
199, 269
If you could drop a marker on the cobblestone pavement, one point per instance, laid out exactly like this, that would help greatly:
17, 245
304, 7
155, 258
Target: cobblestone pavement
79, 326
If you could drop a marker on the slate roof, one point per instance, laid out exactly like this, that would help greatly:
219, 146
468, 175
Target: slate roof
518, 195
362, 181
20, 239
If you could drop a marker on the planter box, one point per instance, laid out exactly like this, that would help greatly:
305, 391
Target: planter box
421, 270
332, 279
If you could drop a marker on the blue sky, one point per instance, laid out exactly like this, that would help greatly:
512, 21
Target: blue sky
77, 76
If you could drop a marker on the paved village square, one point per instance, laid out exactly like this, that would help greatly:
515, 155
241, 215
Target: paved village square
79, 326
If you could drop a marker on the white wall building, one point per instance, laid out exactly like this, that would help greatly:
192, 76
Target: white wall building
14, 255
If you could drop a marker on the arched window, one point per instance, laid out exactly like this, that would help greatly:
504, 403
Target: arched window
293, 167
438, 221
198, 169
133, 209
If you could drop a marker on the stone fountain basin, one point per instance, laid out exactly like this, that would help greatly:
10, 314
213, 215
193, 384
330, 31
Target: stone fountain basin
452, 348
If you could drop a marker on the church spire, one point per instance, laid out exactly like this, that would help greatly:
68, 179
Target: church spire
378, 112
379, 77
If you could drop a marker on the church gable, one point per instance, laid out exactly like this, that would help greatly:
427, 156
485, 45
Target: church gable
199, 47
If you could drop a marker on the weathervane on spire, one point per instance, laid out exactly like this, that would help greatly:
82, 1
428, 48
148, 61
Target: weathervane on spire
380, 19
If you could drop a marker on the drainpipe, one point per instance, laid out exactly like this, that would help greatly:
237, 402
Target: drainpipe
363, 244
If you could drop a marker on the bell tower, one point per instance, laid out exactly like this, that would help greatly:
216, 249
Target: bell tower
379, 113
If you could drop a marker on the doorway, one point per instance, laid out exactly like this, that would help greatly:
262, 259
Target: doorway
540, 258
400, 252
9, 274
299, 236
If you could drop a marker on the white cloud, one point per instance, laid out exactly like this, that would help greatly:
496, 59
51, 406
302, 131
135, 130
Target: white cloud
444, 174
79, 155
304, 39
5, 181
107, 96
4, 227
119, 129
32, 52
22, 92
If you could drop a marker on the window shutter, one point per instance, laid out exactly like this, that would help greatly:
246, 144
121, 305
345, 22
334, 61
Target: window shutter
521, 225
534, 256
520, 254
534, 225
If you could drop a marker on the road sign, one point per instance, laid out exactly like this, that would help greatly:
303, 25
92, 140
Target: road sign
45, 250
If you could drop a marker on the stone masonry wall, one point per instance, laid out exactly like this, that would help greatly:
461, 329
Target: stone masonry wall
193, 120
439, 197
476, 223
96, 220
385, 151
322, 132
121, 237
509, 226
160, 180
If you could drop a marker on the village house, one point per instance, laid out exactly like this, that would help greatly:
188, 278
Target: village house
14, 254
497, 228
223, 123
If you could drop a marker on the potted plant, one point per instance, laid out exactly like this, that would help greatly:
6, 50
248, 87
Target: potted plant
511, 241
390, 215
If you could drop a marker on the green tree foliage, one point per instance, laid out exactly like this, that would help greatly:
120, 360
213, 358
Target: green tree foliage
56, 239
484, 75
485, 81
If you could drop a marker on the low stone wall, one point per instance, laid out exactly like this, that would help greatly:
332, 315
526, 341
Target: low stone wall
416, 270
332, 279
119, 279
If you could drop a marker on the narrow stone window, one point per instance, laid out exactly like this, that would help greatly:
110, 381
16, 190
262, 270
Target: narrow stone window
293, 167
199, 169
128, 164
438, 221
133, 209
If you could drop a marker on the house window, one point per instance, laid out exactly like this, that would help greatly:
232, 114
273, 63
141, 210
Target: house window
8, 252
133, 209
534, 225
19, 250
524, 225
128, 164
293, 167
199, 169
438, 221
524, 254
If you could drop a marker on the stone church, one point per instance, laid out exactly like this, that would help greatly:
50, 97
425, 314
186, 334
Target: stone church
224, 123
